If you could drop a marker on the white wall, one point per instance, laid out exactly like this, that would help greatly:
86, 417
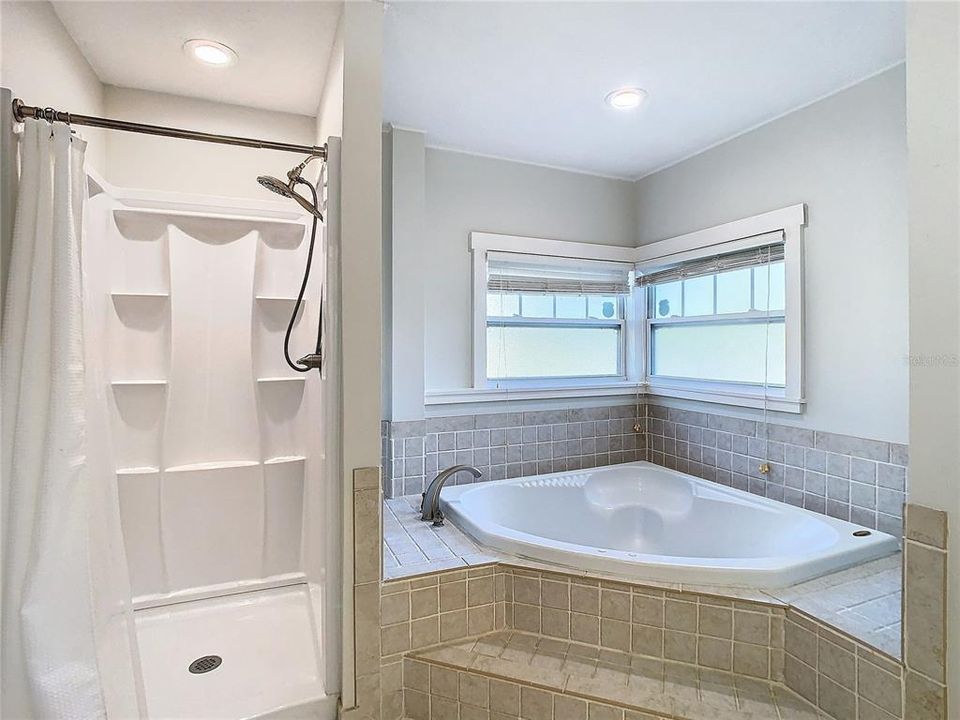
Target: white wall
157, 163
361, 235
845, 157
41, 64
361, 317
330, 110
933, 109
468, 192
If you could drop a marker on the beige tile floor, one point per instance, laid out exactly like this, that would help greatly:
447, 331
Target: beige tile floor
863, 601
655, 685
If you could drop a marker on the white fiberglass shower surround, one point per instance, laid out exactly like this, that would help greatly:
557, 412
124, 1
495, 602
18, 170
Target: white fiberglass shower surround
223, 454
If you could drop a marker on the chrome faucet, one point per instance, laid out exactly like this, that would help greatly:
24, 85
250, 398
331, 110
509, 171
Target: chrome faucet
430, 507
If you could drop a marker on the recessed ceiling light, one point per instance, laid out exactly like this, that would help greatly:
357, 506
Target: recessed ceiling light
626, 98
210, 52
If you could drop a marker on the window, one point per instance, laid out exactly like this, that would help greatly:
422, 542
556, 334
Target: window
714, 315
719, 322
551, 320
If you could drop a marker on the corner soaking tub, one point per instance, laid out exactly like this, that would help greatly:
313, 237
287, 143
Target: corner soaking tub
643, 521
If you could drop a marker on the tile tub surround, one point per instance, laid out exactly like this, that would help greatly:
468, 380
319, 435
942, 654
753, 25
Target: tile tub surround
512, 674
440, 607
429, 609
925, 616
846, 679
855, 479
863, 601
704, 630
511, 444
414, 547
367, 572
698, 637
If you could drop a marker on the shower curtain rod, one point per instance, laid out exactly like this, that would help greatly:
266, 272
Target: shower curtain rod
22, 111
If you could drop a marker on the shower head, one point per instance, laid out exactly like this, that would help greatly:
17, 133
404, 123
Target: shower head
286, 189
275, 185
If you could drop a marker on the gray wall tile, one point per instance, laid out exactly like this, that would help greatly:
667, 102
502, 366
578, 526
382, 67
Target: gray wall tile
863, 480
859, 447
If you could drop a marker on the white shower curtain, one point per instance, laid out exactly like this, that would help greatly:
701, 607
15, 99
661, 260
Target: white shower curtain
69, 648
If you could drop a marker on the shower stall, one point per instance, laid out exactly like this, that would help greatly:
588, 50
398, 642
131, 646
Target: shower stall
226, 456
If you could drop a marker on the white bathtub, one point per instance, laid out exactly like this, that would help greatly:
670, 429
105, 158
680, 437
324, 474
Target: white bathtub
642, 521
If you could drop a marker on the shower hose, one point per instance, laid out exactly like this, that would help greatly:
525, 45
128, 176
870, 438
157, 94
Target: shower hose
298, 366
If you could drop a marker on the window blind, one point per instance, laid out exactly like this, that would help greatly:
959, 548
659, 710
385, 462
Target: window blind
717, 263
515, 273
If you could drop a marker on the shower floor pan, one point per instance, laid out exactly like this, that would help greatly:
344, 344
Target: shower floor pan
270, 661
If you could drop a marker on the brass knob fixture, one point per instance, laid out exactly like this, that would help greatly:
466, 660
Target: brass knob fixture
764, 468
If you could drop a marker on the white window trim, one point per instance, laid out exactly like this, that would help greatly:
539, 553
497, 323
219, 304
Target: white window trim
731, 237
482, 243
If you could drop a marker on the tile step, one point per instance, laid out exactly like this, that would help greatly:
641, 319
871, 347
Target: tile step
571, 671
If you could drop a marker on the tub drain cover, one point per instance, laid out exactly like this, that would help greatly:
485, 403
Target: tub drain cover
205, 664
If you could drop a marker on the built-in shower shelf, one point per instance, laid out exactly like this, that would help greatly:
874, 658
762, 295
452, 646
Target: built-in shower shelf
145, 470
220, 465
280, 299
139, 295
285, 459
291, 379
208, 217
137, 383
152, 224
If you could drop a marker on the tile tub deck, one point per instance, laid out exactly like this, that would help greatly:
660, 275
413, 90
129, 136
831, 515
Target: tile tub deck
863, 601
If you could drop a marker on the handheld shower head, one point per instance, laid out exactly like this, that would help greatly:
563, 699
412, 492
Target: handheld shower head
314, 360
274, 185
286, 189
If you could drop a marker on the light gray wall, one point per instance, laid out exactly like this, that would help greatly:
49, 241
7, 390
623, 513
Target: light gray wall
845, 157
408, 273
388, 362
466, 193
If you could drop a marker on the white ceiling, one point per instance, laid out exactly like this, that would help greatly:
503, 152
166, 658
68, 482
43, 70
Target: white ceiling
283, 48
526, 81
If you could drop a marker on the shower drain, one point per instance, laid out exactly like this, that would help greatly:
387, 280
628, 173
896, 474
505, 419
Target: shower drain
205, 664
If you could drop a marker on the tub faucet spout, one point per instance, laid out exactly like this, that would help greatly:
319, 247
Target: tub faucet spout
430, 507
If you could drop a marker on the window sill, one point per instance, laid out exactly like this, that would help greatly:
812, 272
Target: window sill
724, 397
478, 395
614, 389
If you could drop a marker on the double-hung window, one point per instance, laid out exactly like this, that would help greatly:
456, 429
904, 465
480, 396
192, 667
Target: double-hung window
715, 315
717, 323
553, 320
